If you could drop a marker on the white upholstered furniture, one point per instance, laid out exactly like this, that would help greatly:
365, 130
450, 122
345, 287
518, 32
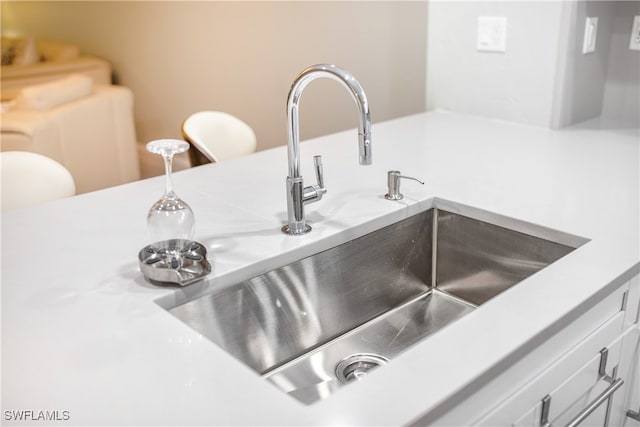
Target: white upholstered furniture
216, 136
92, 134
29, 179
54, 60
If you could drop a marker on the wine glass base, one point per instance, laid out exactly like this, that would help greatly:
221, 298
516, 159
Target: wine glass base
174, 262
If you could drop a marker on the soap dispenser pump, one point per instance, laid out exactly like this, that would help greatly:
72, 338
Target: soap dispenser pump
393, 184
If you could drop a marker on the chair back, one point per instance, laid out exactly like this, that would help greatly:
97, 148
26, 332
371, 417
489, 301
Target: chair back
217, 136
29, 179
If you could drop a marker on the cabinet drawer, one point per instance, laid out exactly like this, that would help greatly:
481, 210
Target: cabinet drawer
581, 388
576, 371
575, 394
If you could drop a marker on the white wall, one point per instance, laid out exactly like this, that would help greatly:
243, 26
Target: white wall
622, 87
179, 57
543, 78
517, 85
582, 77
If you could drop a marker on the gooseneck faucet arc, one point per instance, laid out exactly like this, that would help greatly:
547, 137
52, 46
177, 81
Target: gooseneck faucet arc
297, 194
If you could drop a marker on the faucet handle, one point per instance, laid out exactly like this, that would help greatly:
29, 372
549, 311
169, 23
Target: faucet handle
317, 163
313, 193
393, 184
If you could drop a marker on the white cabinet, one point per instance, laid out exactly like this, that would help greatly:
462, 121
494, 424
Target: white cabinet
565, 389
626, 406
584, 397
629, 369
590, 368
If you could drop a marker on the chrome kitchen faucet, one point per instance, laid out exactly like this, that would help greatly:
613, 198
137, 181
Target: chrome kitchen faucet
297, 194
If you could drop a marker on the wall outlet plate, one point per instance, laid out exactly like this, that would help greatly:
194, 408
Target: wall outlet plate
590, 35
634, 42
492, 34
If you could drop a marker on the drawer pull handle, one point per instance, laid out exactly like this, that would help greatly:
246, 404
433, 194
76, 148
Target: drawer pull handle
591, 407
604, 396
544, 416
602, 370
588, 410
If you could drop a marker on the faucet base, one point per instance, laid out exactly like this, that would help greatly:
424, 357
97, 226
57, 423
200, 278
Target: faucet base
287, 230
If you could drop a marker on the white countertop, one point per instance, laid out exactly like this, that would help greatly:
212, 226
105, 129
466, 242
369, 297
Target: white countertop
83, 332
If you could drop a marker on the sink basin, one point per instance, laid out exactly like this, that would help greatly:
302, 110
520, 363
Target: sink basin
313, 326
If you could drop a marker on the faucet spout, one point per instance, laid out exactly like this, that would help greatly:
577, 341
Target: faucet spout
293, 105
297, 194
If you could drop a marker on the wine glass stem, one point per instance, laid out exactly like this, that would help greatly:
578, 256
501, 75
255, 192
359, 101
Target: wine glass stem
168, 165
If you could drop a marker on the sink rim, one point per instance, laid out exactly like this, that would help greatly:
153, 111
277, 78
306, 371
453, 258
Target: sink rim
216, 283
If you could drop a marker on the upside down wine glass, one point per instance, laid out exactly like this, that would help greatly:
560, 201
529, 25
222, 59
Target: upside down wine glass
170, 219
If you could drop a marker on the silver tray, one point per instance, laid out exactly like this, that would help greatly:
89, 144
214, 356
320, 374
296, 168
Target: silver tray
174, 262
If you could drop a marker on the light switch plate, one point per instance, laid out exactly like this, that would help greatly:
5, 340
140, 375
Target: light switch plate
634, 42
492, 34
590, 35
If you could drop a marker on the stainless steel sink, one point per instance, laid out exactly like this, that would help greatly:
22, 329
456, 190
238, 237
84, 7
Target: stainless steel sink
316, 324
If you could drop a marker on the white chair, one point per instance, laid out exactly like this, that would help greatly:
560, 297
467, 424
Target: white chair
29, 179
217, 136
92, 135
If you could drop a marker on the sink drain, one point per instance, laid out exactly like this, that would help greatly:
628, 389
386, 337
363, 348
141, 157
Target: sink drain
357, 366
